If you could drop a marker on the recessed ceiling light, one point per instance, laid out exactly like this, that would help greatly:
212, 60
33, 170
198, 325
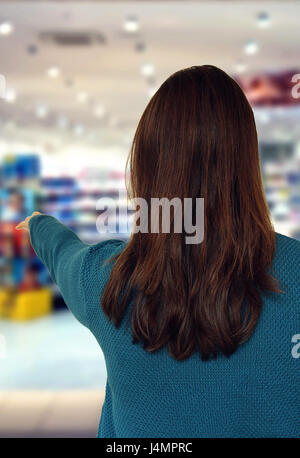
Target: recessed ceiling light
10, 95
251, 47
263, 20
82, 97
78, 129
131, 24
6, 28
147, 69
53, 72
99, 111
41, 111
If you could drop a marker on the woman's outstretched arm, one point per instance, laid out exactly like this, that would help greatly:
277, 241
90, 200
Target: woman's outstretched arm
63, 254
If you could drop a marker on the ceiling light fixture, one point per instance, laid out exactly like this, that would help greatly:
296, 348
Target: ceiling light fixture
10, 95
82, 97
41, 111
251, 47
131, 24
6, 28
99, 111
78, 130
53, 72
263, 20
147, 69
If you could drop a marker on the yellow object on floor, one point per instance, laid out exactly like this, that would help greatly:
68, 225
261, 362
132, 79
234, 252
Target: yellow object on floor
6, 298
25, 305
32, 304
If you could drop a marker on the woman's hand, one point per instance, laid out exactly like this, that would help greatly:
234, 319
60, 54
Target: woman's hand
24, 224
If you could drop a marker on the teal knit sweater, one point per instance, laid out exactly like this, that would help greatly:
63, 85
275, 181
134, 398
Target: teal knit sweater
254, 393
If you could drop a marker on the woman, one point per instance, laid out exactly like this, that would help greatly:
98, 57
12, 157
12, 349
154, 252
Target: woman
199, 339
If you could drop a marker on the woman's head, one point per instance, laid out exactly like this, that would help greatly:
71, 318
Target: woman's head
198, 123
196, 139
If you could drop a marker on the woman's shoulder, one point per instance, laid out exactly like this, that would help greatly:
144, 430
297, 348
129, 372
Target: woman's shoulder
98, 261
287, 259
103, 251
110, 245
287, 245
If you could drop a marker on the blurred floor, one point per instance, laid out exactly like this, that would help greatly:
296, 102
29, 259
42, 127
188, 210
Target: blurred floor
52, 379
52, 353
50, 414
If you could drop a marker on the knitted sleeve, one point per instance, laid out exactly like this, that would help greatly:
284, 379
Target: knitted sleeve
63, 253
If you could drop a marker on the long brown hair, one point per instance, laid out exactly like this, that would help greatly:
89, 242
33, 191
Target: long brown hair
196, 138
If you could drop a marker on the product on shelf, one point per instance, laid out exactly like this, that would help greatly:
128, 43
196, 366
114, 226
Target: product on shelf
24, 286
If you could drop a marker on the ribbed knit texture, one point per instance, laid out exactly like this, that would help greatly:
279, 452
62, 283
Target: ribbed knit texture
254, 393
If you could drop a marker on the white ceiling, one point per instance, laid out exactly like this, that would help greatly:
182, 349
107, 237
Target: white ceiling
176, 34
